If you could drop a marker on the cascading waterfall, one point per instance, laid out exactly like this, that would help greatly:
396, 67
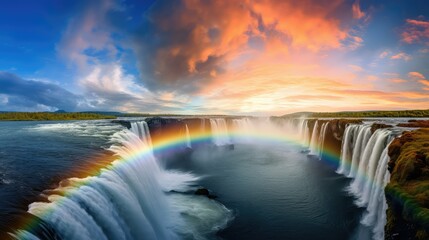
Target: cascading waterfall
141, 129
361, 140
243, 125
188, 137
314, 137
322, 136
128, 199
306, 134
364, 158
219, 131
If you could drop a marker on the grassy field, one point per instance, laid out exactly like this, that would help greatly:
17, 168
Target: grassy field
363, 114
46, 116
409, 183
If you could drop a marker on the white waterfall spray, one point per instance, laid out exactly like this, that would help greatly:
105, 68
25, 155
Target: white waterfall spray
306, 134
314, 137
128, 199
243, 125
364, 158
219, 131
322, 136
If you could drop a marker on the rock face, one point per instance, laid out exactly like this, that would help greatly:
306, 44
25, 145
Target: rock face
376, 126
408, 191
415, 123
124, 123
205, 192
162, 128
334, 134
199, 129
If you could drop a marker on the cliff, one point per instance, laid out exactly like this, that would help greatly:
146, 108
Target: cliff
408, 191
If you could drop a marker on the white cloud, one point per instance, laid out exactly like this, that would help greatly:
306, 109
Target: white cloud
3, 99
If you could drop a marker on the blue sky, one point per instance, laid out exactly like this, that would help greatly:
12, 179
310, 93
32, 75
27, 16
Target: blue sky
187, 56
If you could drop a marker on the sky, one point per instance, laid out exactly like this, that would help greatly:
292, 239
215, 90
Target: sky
255, 57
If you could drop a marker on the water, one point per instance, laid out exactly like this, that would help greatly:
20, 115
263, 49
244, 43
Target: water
265, 189
276, 192
364, 159
36, 155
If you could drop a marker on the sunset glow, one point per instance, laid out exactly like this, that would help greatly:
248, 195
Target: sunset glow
221, 57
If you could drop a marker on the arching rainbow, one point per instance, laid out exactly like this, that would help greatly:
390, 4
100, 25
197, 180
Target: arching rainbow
170, 142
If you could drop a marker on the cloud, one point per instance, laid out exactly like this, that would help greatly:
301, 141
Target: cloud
108, 87
397, 80
184, 44
357, 12
400, 56
87, 35
425, 83
416, 75
384, 54
416, 31
18, 93
356, 68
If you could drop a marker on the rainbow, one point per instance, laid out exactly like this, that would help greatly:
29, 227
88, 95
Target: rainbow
169, 143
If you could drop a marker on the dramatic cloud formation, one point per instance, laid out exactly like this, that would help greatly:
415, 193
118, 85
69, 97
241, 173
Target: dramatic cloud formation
251, 56
87, 35
107, 85
185, 44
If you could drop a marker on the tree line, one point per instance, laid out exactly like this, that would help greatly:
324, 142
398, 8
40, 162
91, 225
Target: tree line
48, 116
369, 114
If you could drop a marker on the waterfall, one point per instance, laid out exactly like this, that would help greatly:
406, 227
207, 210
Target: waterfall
128, 199
361, 140
364, 158
346, 145
301, 128
322, 136
306, 134
375, 198
219, 131
141, 129
203, 125
314, 137
245, 126
188, 137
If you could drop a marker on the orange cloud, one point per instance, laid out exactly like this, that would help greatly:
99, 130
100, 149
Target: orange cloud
357, 12
308, 24
402, 56
384, 54
265, 56
416, 31
277, 88
425, 83
416, 75
197, 44
398, 80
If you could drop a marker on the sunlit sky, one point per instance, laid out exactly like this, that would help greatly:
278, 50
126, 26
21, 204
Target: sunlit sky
220, 57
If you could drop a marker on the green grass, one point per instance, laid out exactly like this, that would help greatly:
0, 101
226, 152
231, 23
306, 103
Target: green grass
47, 116
409, 181
364, 114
